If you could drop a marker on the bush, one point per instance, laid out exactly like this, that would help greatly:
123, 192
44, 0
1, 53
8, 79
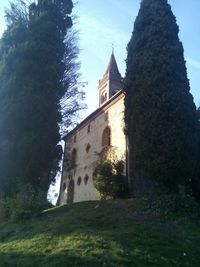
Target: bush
173, 206
109, 179
26, 204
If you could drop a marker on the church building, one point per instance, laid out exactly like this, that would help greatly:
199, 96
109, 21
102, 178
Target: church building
104, 128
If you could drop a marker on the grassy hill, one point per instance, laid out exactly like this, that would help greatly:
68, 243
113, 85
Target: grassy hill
108, 233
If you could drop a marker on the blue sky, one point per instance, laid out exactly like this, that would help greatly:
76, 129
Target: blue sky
103, 23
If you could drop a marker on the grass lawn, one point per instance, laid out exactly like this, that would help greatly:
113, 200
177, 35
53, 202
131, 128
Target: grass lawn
100, 233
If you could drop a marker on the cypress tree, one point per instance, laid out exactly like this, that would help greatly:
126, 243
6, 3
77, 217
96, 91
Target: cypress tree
35, 74
159, 110
12, 102
195, 181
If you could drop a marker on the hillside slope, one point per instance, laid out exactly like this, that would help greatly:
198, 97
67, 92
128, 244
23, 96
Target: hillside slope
107, 233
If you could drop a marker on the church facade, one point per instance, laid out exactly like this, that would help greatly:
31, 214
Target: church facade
104, 128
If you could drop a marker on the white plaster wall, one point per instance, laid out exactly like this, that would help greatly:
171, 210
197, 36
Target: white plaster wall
86, 162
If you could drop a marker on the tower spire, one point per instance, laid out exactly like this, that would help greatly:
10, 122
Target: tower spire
112, 66
111, 82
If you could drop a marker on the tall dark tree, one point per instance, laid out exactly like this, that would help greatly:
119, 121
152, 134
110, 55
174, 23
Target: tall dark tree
159, 110
11, 103
37, 65
195, 181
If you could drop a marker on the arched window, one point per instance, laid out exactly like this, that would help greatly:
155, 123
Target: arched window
73, 156
106, 137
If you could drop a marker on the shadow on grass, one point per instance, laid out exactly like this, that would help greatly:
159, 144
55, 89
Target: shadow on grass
63, 259
107, 233
76, 218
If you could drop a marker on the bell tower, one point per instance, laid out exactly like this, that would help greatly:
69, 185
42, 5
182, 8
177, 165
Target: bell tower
111, 82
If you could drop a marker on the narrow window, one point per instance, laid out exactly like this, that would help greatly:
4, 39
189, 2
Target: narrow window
106, 116
87, 148
105, 97
88, 129
106, 137
73, 157
79, 180
86, 178
102, 99
64, 187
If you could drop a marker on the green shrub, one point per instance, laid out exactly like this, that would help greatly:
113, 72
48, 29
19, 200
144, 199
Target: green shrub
109, 179
26, 204
173, 206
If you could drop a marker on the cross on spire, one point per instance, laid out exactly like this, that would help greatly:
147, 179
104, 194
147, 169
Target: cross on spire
113, 47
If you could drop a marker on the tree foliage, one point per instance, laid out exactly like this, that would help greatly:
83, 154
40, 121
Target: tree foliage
109, 178
38, 70
26, 204
195, 181
159, 110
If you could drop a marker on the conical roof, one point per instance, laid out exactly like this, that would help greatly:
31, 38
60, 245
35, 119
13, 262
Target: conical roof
112, 66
